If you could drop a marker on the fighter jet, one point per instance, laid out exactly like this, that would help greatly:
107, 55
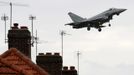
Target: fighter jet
95, 21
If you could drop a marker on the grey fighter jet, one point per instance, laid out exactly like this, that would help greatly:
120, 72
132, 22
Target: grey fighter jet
95, 21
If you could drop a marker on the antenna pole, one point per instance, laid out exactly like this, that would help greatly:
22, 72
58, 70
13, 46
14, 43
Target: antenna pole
36, 41
62, 34
11, 14
5, 18
62, 43
78, 65
32, 18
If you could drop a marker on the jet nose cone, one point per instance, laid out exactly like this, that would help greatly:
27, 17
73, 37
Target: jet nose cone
122, 10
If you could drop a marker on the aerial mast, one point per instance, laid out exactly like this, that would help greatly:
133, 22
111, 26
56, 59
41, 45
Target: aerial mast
36, 41
32, 18
78, 61
11, 14
11, 9
5, 18
62, 33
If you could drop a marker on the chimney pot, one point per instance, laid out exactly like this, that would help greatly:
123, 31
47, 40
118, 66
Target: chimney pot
41, 53
16, 24
48, 53
56, 54
72, 68
24, 27
65, 68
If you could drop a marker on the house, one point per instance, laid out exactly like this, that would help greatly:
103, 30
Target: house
17, 60
13, 62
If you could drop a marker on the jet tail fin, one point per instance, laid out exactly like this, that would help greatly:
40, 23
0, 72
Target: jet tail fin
75, 17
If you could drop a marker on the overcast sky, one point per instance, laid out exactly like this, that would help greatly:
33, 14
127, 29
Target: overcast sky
110, 52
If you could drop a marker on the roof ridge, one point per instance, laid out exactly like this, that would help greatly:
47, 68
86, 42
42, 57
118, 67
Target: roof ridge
25, 59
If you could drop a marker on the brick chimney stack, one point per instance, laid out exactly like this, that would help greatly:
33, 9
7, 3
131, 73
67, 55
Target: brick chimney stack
70, 71
20, 38
52, 63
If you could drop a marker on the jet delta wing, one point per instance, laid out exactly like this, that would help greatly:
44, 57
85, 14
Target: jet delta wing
95, 21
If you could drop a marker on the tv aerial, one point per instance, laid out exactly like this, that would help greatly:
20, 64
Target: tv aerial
62, 33
5, 18
32, 18
78, 61
38, 41
11, 9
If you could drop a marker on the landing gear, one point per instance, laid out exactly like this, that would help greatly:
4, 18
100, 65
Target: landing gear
109, 25
117, 14
99, 29
88, 28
